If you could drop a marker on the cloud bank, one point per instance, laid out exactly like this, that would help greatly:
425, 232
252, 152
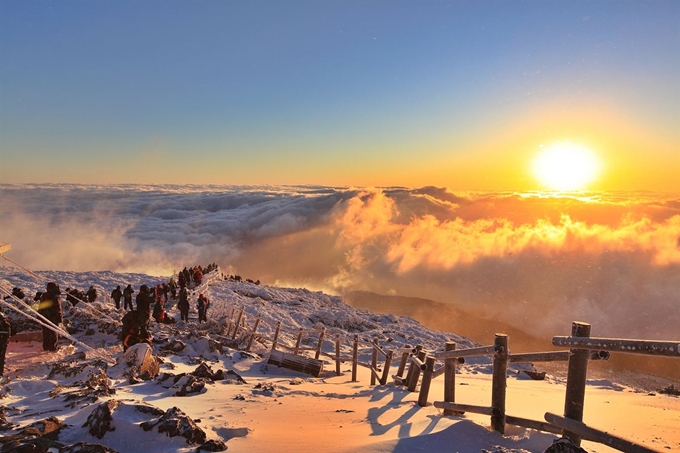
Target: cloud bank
534, 260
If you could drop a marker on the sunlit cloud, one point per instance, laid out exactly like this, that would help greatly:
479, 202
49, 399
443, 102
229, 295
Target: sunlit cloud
610, 258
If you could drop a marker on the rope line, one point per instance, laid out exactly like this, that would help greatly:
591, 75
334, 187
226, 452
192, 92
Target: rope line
41, 320
87, 304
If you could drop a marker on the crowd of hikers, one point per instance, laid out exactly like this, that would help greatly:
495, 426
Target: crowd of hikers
150, 303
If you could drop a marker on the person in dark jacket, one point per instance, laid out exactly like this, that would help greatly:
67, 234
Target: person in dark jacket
202, 307
159, 311
144, 300
91, 294
5, 333
127, 297
134, 330
50, 308
116, 295
183, 305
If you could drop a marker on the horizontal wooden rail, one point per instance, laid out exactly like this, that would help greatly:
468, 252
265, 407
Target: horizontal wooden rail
553, 356
533, 424
457, 407
595, 435
649, 347
471, 352
419, 363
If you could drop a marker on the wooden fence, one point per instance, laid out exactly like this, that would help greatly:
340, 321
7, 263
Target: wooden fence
583, 348
301, 343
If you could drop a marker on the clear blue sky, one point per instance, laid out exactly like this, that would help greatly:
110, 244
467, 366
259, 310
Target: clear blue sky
456, 93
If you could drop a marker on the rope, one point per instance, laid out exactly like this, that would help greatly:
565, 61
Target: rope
89, 307
28, 271
41, 320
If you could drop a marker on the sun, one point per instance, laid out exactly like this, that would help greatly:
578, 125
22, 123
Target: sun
566, 166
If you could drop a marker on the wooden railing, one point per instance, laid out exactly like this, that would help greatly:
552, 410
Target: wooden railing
582, 349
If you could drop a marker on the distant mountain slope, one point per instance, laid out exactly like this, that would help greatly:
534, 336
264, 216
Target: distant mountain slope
446, 317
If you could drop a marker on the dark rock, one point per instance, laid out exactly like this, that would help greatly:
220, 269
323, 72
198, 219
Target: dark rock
48, 428
233, 378
564, 445
29, 444
174, 422
212, 445
174, 346
189, 384
99, 420
84, 447
143, 365
670, 390
535, 375
4, 424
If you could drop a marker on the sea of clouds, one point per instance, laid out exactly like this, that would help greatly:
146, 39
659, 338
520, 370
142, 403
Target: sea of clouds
536, 260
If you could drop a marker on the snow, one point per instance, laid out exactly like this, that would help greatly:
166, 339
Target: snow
276, 409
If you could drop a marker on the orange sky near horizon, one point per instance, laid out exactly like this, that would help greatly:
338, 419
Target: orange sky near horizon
381, 94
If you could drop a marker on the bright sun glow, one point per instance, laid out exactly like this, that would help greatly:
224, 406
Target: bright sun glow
566, 166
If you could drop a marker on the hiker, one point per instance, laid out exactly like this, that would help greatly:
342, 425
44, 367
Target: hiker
116, 295
91, 294
18, 293
134, 330
127, 297
173, 288
158, 311
202, 306
166, 290
50, 308
183, 305
5, 333
143, 301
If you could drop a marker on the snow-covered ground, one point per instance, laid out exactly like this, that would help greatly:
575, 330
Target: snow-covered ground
259, 407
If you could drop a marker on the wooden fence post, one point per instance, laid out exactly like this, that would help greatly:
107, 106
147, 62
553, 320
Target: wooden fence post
386, 367
412, 366
238, 323
298, 342
427, 379
374, 360
276, 336
402, 364
337, 356
320, 344
450, 379
413, 382
355, 357
500, 367
252, 335
577, 371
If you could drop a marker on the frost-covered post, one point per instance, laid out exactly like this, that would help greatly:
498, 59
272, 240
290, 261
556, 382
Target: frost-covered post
386, 367
412, 368
413, 381
427, 379
238, 323
320, 344
337, 356
402, 364
252, 335
577, 371
450, 379
374, 360
298, 342
355, 357
499, 385
275, 341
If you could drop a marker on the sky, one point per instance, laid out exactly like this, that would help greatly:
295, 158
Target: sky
458, 94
